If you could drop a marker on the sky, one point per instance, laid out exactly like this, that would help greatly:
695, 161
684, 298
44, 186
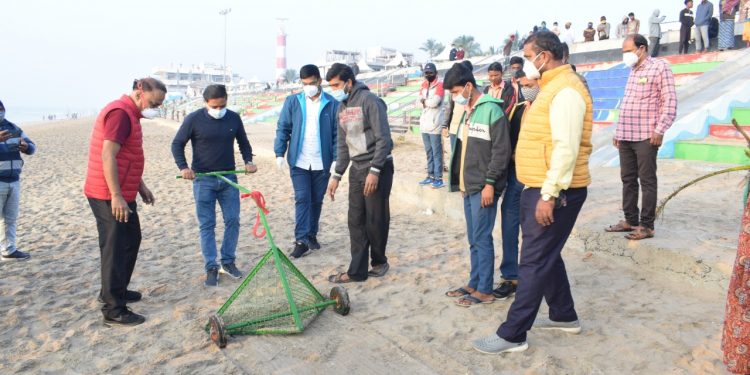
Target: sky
79, 55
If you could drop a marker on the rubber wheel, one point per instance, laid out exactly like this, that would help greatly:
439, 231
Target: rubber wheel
341, 296
216, 331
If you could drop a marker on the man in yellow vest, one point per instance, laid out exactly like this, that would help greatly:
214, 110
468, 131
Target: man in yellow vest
552, 158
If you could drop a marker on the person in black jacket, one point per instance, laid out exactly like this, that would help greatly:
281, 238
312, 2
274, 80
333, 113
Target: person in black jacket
686, 22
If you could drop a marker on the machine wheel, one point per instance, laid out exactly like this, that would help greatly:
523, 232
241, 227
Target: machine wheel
341, 296
216, 331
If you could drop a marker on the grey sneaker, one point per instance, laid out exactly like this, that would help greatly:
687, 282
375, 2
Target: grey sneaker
497, 345
573, 327
231, 270
212, 277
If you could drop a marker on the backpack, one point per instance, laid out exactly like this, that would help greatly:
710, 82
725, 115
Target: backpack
713, 28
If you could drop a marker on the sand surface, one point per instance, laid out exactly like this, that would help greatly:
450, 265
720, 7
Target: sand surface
636, 319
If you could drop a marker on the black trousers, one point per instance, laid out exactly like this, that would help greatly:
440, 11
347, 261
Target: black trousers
638, 172
654, 45
369, 220
541, 271
118, 246
684, 39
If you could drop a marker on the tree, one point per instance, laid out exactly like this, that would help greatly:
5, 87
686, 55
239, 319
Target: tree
432, 47
290, 75
471, 47
491, 50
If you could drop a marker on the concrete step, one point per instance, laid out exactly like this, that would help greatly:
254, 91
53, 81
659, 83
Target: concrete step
711, 149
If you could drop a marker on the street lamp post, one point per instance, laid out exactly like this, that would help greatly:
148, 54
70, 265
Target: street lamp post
225, 12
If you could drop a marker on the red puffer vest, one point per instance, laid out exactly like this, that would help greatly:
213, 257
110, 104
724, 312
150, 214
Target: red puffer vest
130, 160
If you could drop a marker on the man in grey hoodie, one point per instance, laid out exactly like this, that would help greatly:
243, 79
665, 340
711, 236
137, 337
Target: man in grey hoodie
364, 139
654, 34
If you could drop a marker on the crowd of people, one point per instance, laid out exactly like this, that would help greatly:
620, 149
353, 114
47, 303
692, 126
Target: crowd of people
522, 143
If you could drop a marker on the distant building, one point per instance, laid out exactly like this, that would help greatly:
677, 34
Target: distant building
189, 81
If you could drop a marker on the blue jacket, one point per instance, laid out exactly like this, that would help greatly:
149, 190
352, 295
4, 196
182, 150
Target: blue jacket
291, 129
10, 156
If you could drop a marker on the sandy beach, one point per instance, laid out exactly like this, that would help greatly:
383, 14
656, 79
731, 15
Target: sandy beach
639, 316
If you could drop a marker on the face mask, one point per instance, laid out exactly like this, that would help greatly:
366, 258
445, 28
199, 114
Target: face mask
310, 90
532, 72
2, 116
150, 113
529, 93
460, 99
630, 59
340, 95
430, 78
217, 113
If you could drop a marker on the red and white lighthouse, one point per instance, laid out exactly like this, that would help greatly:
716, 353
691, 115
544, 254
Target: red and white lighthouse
281, 51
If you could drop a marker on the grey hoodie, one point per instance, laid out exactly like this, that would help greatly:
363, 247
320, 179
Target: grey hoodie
364, 136
655, 23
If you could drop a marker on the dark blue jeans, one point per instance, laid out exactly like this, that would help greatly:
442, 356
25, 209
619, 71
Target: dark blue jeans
542, 272
309, 191
510, 212
479, 224
207, 191
433, 147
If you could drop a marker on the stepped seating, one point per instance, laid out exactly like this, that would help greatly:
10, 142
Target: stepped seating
724, 144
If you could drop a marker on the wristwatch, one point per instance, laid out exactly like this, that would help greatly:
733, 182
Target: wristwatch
547, 197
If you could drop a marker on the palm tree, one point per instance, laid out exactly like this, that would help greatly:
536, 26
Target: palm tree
432, 47
471, 47
290, 75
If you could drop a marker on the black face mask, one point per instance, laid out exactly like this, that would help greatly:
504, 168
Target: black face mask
429, 78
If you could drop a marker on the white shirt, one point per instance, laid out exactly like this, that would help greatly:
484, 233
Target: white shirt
567, 37
309, 157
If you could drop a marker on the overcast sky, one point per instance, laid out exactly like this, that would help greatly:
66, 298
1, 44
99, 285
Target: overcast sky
82, 54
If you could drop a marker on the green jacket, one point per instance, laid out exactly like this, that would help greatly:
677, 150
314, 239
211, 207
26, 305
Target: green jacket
488, 149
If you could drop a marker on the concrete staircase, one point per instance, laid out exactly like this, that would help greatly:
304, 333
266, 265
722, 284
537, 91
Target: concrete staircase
724, 143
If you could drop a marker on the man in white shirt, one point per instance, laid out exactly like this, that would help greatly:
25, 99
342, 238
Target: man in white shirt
306, 133
567, 35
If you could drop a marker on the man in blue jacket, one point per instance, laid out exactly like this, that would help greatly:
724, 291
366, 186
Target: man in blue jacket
13, 142
306, 133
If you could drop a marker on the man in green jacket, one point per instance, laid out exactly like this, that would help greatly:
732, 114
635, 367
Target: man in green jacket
479, 169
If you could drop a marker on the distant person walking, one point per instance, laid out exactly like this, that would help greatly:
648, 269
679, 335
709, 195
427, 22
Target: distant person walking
430, 122
648, 110
687, 20
13, 143
702, 20
654, 32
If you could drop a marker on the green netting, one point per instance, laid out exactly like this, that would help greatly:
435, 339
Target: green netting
274, 297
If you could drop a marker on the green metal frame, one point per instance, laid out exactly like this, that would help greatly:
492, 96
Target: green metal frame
280, 261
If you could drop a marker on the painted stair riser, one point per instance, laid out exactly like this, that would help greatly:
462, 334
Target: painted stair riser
711, 153
727, 132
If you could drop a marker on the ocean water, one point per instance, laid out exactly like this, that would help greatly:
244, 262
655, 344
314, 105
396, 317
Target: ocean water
28, 115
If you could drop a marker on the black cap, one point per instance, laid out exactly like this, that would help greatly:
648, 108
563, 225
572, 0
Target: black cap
430, 67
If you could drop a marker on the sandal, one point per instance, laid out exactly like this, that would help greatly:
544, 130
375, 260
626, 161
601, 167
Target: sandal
339, 278
622, 226
640, 234
469, 300
456, 293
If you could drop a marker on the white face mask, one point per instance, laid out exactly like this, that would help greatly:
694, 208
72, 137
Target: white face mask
630, 59
217, 113
150, 113
460, 99
532, 72
310, 90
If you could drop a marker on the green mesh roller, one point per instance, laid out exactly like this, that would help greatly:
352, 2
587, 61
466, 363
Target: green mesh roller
275, 297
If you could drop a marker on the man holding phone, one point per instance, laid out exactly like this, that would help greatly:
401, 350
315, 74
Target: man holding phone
13, 142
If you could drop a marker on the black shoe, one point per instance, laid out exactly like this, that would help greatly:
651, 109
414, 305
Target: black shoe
231, 270
313, 243
130, 297
300, 249
16, 255
505, 290
126, 318
212, 277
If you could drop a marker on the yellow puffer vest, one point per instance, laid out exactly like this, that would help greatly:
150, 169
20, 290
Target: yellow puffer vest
535, 140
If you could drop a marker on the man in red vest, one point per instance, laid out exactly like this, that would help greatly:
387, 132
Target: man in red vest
112, 182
